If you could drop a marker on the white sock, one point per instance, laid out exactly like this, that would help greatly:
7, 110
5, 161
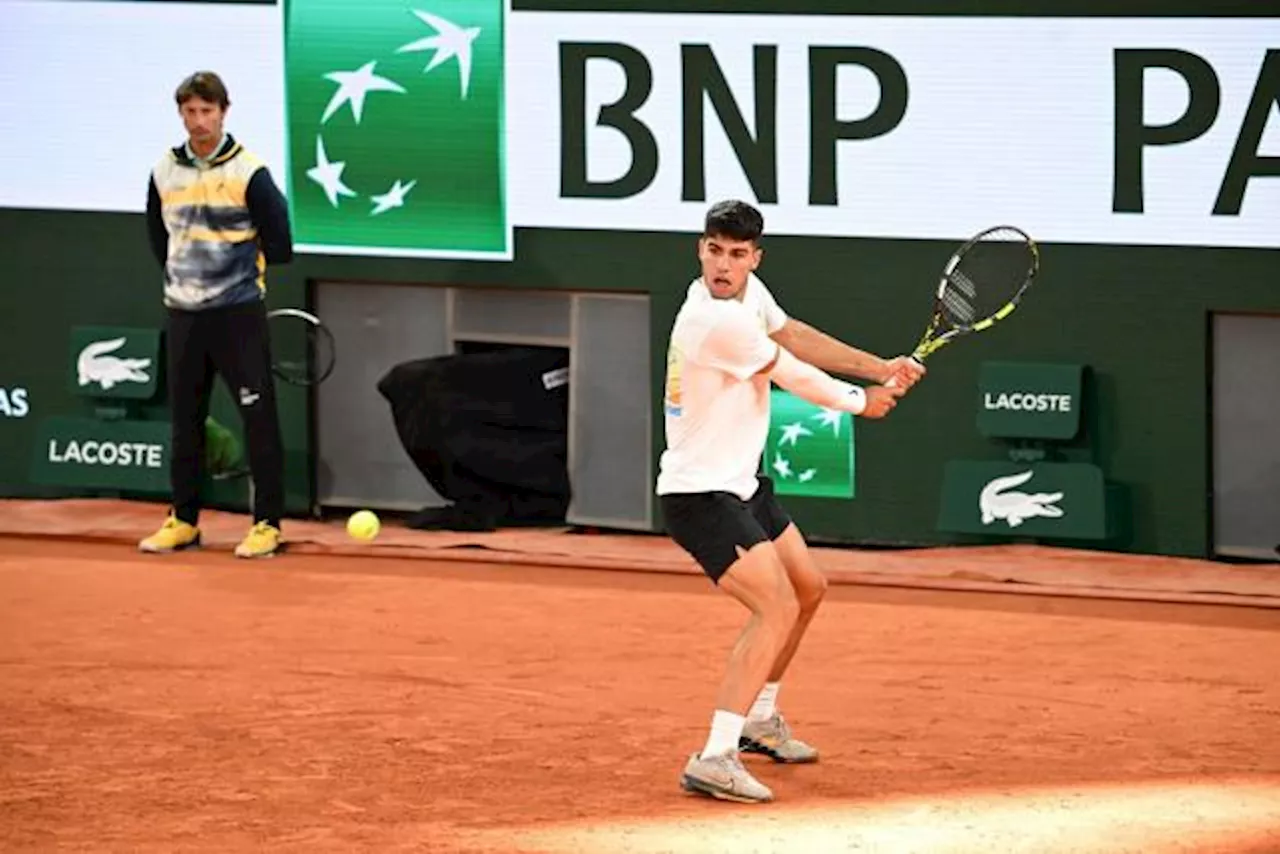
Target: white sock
766, 703
726, 729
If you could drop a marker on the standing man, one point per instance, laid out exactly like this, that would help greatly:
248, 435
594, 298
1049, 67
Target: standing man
729, 341
215, 220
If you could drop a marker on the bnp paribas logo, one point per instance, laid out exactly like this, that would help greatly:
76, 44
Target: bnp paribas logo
395, 118
810, 448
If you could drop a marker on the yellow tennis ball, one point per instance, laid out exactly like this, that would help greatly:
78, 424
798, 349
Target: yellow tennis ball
363, 525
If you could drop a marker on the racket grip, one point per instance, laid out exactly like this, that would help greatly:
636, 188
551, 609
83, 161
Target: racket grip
892, 383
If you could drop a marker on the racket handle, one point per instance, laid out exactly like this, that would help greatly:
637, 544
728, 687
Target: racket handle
892, 383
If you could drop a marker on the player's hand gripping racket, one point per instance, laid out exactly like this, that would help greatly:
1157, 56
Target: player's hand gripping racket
981, 284
303, 352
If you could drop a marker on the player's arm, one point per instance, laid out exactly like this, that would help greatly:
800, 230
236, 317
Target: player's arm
737, 345
157, 234
270, 215
823, 351
818, 348
820, 388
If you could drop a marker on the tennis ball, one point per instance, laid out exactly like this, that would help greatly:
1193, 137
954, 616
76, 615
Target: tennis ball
363, 525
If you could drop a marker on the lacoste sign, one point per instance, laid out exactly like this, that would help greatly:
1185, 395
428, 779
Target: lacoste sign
114, 362
86, 452
1050, 500
1026, 402
1029, 400
999, 500
96, 452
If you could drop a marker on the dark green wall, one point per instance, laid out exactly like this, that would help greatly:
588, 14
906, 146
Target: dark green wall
65, 269
1137, 316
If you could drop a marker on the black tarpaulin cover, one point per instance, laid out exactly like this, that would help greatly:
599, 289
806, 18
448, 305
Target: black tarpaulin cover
489, 431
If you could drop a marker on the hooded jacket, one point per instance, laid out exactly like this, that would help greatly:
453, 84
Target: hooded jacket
214, 226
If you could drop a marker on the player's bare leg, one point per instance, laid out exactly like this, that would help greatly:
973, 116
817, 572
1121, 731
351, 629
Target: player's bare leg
810, 586
766, 731
759, 581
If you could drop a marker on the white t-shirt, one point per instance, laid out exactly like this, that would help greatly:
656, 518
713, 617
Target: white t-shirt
716, 406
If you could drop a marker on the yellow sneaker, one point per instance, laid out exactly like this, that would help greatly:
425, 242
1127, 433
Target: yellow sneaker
174, 535
263, 540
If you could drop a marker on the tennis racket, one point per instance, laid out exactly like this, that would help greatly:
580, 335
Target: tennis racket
981, 285
307, 345
311, 356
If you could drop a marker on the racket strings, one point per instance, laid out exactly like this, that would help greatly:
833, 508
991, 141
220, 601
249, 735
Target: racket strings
964, 284
959, 308
303, 348
988, 275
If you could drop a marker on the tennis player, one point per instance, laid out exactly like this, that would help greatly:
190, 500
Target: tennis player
215, 220
730, 340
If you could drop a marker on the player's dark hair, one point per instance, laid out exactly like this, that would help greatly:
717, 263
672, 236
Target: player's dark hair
203, 84
735, 220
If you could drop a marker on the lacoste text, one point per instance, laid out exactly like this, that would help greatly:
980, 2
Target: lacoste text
96, 453
1027, 402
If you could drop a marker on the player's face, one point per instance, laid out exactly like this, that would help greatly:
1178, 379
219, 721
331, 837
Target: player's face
203, 121
726, 263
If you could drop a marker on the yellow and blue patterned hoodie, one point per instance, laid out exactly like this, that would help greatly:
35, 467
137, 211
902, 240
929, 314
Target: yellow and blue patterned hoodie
214, 225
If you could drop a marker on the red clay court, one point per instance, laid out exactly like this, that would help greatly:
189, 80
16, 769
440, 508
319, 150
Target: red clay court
515, 692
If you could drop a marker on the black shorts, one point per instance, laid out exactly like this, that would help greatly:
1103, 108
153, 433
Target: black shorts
711, 525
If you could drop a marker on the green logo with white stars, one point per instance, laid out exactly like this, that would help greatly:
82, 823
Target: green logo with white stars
810, 449
395, 122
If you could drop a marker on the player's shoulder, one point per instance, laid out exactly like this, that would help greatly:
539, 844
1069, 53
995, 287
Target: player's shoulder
701, 313
699, 304
728, 318
757, 290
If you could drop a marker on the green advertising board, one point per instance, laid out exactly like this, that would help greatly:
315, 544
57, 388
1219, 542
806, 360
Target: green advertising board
130, 456
1029, 400
114, 362
810, 449
395, 125
1048, 500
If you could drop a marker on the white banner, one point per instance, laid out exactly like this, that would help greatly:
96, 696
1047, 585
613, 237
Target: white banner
86, 94
1006, 119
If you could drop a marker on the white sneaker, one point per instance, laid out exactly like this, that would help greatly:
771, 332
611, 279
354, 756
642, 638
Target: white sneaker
723, 777
773, 739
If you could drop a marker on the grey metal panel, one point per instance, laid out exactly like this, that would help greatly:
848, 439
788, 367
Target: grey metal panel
1246, 435
512, 316
610, 412
375, 327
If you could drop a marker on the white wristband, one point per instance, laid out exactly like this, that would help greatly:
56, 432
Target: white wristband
857, 400
816, 386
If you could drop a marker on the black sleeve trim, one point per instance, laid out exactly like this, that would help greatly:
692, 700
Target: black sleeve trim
157, 234
270, 215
